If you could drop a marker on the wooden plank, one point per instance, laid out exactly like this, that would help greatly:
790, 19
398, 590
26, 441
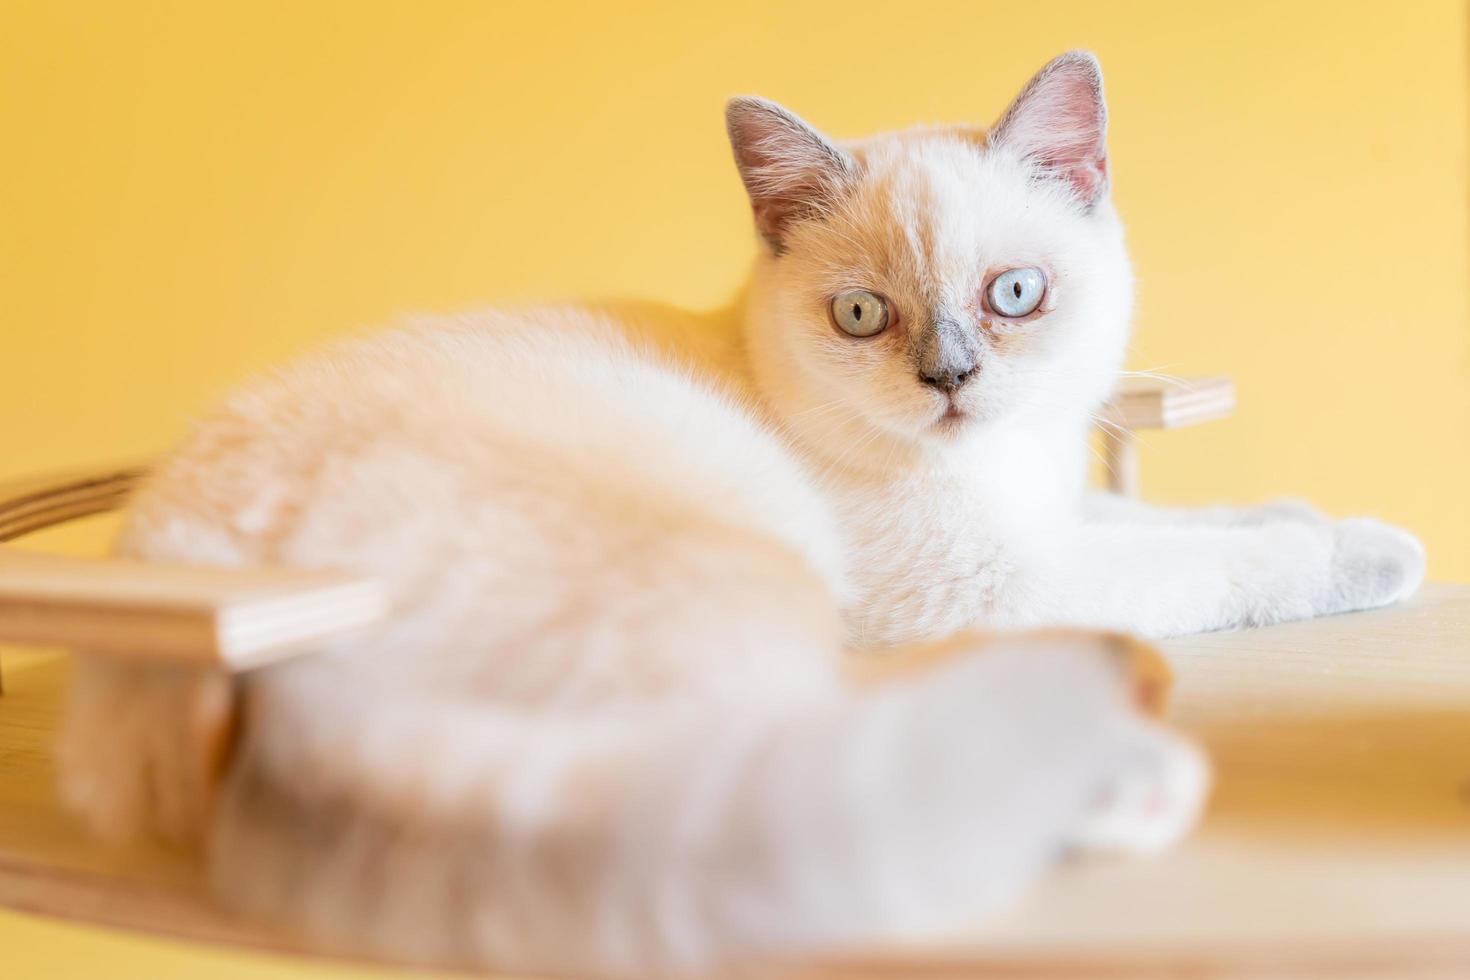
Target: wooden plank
238, 618
1153, 403
179, 910
59, 512
233, 617
40, 502
1341, 814
1337, 843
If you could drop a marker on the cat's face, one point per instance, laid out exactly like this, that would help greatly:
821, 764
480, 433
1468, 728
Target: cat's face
932, 282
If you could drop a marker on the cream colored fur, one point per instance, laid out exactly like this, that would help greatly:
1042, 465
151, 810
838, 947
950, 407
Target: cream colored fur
607, 727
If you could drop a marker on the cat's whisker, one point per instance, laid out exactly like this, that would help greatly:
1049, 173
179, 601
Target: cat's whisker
1158, 376
1140, 439
838, 464
1107, 464
1109, 424
851, 451
818, 411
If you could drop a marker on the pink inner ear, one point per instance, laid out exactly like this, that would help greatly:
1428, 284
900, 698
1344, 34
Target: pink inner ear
789, 169
1059, 121
1087, 173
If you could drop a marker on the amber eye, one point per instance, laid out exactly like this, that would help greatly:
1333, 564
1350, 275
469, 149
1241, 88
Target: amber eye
1017, 292
859, 313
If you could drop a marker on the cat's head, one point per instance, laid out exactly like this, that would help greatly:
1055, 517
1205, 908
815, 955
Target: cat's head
932, 282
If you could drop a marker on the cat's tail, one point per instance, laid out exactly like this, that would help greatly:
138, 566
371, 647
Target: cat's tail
670, 839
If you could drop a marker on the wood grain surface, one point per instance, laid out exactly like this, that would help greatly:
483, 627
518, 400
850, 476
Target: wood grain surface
1337, 843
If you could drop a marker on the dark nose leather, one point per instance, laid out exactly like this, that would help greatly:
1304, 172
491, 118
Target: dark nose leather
946, 353
946, 380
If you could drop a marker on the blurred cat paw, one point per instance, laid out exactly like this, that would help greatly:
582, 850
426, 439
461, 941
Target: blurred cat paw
1373, 564
1147, 674
1153, 798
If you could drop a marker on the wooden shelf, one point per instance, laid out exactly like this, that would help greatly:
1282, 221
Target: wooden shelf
1337, 843
233, 617
1156, 403
1150, 403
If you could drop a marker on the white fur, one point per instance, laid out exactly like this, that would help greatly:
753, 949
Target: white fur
988, 523
607, 727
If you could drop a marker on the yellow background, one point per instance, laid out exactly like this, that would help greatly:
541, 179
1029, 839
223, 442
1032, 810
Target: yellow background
191, 191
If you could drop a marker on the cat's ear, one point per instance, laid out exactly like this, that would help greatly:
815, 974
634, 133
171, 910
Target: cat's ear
790, 170
1060, 123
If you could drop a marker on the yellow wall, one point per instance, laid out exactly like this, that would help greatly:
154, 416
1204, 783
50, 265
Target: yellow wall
193, 190
189, 191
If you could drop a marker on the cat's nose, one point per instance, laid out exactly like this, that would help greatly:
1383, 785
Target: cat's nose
946, 379
947, 354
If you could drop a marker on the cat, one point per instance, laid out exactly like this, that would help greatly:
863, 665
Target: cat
613, 724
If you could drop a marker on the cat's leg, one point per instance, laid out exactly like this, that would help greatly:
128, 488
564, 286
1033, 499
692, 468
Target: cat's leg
1164, 580
1155, 795
1146, 673
1104, 507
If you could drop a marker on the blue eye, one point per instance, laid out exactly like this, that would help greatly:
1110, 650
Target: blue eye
859, 313
1017, 292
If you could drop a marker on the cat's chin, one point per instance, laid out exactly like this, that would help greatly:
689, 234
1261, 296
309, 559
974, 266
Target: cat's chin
951, 422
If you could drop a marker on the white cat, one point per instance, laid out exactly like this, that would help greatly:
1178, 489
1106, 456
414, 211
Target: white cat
609, 726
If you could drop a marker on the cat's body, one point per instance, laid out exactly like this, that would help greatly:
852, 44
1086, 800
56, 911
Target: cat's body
607, 725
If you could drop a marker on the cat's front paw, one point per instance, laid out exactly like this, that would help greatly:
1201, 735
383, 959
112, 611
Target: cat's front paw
1152, 797
1373, 564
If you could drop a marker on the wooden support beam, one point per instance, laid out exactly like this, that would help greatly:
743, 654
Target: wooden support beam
235, 618
1155, 403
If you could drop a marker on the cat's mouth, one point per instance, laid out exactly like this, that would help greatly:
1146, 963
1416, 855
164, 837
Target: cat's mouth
952, 418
